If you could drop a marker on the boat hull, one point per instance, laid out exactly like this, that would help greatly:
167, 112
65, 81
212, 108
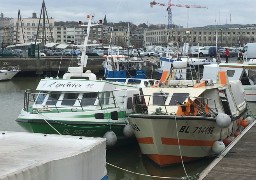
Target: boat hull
7, 75
75, 124
169, 140
250, 93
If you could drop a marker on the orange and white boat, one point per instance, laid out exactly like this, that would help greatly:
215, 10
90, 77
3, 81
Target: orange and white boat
177, 124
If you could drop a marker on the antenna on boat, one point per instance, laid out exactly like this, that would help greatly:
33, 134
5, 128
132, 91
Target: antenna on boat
84, 57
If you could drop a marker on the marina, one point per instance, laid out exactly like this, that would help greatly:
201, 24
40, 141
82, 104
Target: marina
98, 100
133, 165
122, 162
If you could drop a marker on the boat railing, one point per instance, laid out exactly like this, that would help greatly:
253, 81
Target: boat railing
38, 103
172, 104
11, 68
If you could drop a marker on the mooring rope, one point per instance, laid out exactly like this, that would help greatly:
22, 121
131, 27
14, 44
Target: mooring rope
146, 175
49, 123
182, 162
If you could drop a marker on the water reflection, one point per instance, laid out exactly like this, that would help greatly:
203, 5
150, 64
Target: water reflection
11, 95
132, 165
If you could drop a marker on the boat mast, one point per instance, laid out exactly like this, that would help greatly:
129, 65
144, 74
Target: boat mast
84, 57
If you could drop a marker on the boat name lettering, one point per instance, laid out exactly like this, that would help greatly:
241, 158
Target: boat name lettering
69, 84
196, 130
78, 132
135, 127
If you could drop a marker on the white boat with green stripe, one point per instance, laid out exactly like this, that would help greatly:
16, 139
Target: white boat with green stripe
79, 105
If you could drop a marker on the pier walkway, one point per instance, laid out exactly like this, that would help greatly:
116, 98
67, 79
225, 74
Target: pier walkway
238, 161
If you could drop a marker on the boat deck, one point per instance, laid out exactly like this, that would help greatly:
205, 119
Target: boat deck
238, 161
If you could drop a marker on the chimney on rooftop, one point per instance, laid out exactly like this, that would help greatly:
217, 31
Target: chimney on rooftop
34, 15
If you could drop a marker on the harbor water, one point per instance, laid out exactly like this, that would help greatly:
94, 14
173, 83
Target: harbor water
123, 163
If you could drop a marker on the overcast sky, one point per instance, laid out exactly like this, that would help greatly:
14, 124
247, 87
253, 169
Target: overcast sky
138, 11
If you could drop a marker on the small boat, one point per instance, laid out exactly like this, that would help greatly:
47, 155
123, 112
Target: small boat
7, 73
166, 61
180, 123
245, 72
80, 105
118, 67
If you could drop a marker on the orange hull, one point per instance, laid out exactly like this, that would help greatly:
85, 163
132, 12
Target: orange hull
164, 160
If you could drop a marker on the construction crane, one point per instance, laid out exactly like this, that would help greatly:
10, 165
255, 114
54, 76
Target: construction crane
169, 10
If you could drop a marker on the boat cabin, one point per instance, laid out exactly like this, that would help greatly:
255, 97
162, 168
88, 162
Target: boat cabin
80, 95
210, 100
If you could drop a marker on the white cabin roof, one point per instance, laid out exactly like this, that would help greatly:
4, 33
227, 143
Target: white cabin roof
77, 85
193, 92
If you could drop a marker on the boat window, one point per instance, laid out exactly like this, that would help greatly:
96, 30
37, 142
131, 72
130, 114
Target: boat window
88, 99
53, 98
151, 82
104, 98
178, 98
129, 103
230, 73
40, 98
159, 98
69, 99
245, 79
252, 76
133, 81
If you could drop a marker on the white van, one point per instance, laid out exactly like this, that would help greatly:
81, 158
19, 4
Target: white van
203, 51
249, 51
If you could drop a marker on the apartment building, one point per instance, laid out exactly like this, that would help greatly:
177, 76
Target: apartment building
27, 30
203, 36
6, 30
67, 34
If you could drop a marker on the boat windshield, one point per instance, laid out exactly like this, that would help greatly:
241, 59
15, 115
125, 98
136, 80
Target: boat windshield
89, 99
69, 99
40, 98
159, 98
53, 98
178, 98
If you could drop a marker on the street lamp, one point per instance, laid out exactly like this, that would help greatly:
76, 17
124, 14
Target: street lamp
221, 37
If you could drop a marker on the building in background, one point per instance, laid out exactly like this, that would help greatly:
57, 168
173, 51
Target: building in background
226, 36
29, 30
6, 31
72, 33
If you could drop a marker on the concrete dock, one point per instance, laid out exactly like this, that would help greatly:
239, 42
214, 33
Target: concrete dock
238, 161
34, 156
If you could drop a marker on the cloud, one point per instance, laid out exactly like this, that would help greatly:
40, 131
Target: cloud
137, 11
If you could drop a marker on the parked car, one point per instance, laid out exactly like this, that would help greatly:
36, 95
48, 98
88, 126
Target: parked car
212, 51
75, 52
66, 52
137, 53
233, 52
49, 53
201, 51
57, 53
151, 53
42, 54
